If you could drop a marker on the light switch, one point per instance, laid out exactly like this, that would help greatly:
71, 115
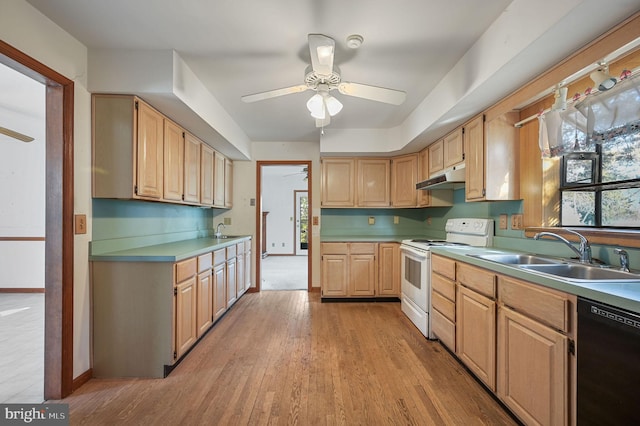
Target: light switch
315, 220
227, 221
80, 224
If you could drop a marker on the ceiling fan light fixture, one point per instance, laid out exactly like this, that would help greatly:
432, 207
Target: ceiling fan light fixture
325, 54
315, 105
333, 105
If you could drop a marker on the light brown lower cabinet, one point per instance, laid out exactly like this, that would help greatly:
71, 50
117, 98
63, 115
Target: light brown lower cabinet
219, 283
186, 306
515, 336
388, 270
349, 269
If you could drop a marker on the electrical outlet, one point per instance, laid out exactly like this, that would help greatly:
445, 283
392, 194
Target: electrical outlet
516, 221
503, 221
227, 221
429, 220
396, 220
81, 224
372, 220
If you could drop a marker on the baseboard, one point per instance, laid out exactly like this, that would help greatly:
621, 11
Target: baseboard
22, 290
81, 379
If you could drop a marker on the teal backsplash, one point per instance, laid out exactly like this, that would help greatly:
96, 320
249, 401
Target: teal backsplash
124, 224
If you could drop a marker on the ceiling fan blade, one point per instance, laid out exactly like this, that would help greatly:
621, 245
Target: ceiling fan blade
374, 93
15, 135
322, 49
274, 93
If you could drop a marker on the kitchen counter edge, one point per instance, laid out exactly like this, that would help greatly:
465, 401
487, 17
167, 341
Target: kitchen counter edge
168, 252
621, 295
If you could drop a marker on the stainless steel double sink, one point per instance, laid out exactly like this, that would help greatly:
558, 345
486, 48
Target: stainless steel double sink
560, 268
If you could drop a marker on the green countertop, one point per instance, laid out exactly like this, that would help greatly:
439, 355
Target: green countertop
169, 252
366, 238
625, 295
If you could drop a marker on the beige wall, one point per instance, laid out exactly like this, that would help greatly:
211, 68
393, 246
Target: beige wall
28, 30
243, 215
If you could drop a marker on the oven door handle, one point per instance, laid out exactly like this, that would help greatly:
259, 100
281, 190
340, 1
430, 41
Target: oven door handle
421, 255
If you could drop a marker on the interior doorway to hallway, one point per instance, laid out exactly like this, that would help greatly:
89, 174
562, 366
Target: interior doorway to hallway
284, 198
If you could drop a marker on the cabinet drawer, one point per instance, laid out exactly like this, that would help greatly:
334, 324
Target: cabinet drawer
247, 245
219, 256
444, 329
335, 248
445, 287
362, 248
231, 252
551, 308
204, 262
444, 266
186, 269
444, 306
240, 248
480, 280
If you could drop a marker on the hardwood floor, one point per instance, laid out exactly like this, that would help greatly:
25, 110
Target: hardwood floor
286, 358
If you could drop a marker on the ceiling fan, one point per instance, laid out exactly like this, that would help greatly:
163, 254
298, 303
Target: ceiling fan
323, 77
15, 135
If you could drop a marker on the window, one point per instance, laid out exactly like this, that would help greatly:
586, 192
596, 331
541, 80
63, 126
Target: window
600, 185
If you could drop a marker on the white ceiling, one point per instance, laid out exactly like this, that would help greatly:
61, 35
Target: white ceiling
245, 46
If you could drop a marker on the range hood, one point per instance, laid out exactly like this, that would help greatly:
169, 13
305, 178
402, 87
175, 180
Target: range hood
452, 178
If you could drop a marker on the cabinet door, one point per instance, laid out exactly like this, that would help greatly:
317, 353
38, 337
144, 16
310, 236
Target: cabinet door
247, 270
362, 274
476, 334
219, 290
231, 281
374, 187
149, 152
185, 321
389, 267
436, 157
532, 369
337, 182
191, 169
218, 180
424, 197
240, 281
334, 275
453, 148
474, 162
404, 176
228, 183
173, 161
205, 300
206, 175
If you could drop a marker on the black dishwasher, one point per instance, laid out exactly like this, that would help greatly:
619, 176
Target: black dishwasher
608, 365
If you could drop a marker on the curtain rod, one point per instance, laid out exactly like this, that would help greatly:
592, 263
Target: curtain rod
520, 123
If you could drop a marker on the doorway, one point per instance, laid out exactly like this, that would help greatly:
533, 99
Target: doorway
58, 269
301, 222
284, 192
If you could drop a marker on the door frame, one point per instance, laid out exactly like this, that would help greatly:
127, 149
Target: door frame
258, 257
58, 301
296, 225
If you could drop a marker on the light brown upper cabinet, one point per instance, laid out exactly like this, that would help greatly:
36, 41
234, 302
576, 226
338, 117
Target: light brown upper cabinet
431, 198
128, 143
492, 177
446, 152
218, 180
191, 169
374, 184
173, 161
206, 175
404, 175
337, 182
228, 183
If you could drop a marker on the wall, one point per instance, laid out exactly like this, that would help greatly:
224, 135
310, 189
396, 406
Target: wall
29, 31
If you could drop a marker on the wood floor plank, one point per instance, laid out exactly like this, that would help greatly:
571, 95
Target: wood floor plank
283, 357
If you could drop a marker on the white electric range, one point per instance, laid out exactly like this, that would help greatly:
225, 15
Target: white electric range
416, 265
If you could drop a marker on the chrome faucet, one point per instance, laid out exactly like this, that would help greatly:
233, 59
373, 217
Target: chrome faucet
218, 232
624, 259
584, 252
